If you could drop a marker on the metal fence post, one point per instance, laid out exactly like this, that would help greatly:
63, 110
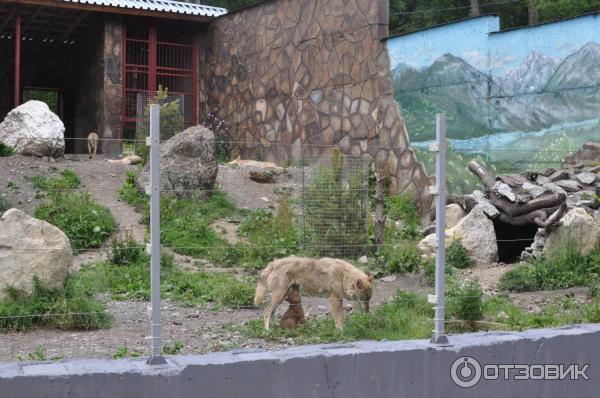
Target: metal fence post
439, 336
155, 341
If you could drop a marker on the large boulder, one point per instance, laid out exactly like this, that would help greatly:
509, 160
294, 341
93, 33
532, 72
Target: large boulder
31, 247
33, 129
475, 232
188, 166
578, 225
454, 213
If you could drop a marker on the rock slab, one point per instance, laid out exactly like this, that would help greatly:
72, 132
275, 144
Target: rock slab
30, 247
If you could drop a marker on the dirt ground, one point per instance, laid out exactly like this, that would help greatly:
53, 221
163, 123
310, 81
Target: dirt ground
199, 329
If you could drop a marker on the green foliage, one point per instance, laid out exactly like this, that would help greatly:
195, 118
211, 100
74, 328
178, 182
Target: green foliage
38, 355
67, 180
465, 300
132, 195
457, 256
5, 150
406, 316
69, 308
123, 352
401, 256
429, 266
186, 224
173, 348
85, 222
124, 250
132, 282
270, 236
336, 211
4, 205
171, 120
562, 267
402, 207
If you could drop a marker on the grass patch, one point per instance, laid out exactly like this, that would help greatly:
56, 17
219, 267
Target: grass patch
72, 308
86, 223
402, 207
130, 279
132, 195
67, 180
562, 267
406, 316
5, 150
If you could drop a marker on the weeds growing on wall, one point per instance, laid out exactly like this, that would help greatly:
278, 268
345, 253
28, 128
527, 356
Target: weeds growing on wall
74, 306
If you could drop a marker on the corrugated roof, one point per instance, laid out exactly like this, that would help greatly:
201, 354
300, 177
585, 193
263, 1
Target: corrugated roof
175, 7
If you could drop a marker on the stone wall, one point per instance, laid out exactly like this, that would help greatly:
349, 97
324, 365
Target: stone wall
295, 77
113, 83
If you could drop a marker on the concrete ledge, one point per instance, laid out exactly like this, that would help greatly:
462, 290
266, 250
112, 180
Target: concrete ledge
362, 369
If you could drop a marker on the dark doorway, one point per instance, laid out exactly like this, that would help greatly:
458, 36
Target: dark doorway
512, 240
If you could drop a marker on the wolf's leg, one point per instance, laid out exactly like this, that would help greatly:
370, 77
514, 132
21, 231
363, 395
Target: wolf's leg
336, 308
277, 297
89, 149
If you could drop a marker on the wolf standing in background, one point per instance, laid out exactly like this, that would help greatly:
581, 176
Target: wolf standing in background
330, 277
92, 142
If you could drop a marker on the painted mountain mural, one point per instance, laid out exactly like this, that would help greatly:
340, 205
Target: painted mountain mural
539, 94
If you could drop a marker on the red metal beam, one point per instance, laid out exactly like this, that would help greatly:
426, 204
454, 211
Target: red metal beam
18, 59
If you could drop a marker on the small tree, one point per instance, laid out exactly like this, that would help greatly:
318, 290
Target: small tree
171, 120
336, 211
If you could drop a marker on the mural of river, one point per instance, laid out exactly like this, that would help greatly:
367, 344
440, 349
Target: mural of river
522, 98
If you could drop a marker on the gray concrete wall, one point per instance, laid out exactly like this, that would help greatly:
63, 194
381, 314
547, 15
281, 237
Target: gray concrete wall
362, 369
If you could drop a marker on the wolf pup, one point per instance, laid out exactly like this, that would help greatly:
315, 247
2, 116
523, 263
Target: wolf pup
294, 315
92, 142
330, 277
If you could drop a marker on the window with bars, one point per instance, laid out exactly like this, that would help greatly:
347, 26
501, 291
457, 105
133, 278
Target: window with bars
158, 56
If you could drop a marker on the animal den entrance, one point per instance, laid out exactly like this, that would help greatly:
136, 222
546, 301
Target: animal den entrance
512, 239
56, 61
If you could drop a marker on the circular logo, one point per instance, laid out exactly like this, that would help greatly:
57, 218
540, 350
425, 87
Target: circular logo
465, 372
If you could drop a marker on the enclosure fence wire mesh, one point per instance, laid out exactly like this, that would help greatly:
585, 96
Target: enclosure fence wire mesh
215, 240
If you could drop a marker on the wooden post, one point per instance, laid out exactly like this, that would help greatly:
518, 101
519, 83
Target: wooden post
17, 97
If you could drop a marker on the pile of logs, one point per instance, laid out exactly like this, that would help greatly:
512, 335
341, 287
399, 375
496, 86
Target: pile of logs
533, 198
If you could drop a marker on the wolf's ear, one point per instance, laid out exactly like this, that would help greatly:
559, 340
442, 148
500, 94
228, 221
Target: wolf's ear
370, 277
359, 284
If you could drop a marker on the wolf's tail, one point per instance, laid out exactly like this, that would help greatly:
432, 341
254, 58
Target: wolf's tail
261, 288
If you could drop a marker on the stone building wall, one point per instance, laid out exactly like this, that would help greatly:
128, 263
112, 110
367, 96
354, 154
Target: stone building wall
113, 84
294, 77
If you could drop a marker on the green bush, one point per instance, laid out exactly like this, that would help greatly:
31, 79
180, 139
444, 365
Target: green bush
465, 301
131, 194
401, 257
519, 279
336, 211
402, 207
85, 222
125, 250
73, 306
457, 256
5, 150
